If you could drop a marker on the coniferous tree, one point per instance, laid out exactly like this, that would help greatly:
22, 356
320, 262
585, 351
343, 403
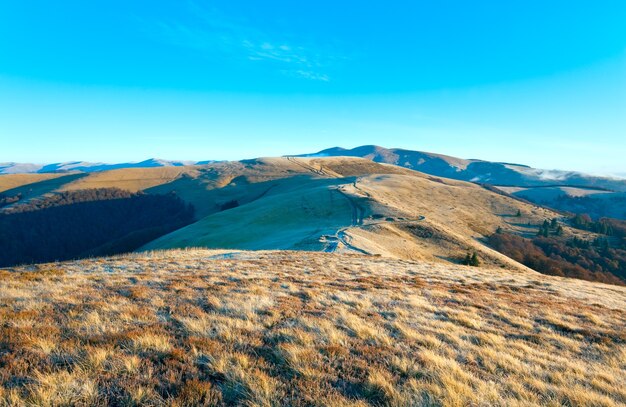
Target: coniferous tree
474, 262
582, 221
467, 260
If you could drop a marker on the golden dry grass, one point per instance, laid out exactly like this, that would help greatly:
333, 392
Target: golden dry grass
202, 327
296, 203
11, 181
130, 179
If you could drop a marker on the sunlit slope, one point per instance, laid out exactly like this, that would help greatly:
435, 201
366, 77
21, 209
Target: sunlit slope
288, 220
10, 181
130, 179
30, 186
455, 217
351, 204
342, 204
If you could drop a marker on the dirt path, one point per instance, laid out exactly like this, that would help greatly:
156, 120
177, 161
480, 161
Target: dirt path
357, 221
367, 194
357, 214
314, 170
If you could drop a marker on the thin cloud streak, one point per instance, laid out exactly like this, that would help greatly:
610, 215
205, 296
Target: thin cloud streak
214, 33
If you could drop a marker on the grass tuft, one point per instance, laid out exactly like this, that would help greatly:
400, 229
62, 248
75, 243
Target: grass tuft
182, 328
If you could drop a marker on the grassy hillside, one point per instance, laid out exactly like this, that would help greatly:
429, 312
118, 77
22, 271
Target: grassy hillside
11, 181
290, 220
29, 186
294, 328
342, 204
349, 204
205, 186
129, 179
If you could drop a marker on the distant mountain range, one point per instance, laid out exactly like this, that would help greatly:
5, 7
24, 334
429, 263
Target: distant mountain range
84, 166
487, 172
330, 204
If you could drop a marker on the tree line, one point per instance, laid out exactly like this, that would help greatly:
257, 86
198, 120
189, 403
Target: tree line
9, 199
595, 261
77, 224
71, 197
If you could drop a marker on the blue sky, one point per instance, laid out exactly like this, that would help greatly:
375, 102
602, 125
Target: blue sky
536, 82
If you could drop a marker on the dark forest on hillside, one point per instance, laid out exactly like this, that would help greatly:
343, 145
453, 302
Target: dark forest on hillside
87, 223
68, 198
592, 261
605, 226
9, 199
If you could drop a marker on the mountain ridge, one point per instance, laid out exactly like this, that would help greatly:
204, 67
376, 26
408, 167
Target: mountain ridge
428, 162
473, 170
86, 166
329, 204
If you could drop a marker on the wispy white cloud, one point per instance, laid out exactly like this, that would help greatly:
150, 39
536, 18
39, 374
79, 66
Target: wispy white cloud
316, 76
211, 32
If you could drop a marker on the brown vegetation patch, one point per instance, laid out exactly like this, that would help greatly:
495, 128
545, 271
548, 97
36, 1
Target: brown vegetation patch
292, 328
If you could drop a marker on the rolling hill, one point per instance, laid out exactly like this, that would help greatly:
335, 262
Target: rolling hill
84, 166
495, 173
553, 188
350, 204
363, 304
331, 204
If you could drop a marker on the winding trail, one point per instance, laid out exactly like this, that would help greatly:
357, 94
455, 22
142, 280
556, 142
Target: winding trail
309, 167
357, 213
358, 217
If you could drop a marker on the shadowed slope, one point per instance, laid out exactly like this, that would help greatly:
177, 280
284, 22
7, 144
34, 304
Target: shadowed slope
352, 204
289, 220
330, 204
